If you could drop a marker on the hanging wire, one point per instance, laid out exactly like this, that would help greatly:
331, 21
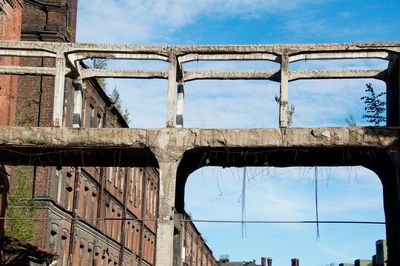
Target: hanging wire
244, 233
316, 199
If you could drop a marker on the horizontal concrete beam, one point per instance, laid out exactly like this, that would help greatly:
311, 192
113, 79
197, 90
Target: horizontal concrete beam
27, 53
98, 146
341, 55
230, 75
195, 137
116, 55
166, 50
21, 70
223, 57
123, 73
293, 75
337, 74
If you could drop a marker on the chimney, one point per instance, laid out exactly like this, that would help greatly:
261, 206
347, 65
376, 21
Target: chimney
295, 262
263, 261
269, 261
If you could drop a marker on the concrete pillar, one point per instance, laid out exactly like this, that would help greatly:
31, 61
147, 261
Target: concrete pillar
77, 116
179, 105
392, 94
59, 85
165, 222
283, 97
172, 71
391, 201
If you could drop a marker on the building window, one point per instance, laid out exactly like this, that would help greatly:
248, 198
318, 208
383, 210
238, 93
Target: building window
131, 187
90, 115
110, 174
99, 121
122, 178
116, 178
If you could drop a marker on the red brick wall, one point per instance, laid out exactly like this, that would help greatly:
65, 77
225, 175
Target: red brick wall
10, 29
49, 20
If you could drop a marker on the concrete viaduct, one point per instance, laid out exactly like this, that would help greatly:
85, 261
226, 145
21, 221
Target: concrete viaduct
178, 151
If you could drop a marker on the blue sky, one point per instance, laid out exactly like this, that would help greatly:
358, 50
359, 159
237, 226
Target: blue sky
352, 193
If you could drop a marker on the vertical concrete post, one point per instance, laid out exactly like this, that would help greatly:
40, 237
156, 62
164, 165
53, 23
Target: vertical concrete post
393, 94
165, 222
179, 105
172, 71
59, 84
391, 201
77, 115
283, 99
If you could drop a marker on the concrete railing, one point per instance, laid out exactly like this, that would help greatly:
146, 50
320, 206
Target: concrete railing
69, 55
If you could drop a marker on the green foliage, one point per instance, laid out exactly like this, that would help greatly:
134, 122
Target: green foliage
100, 63
70, 31
21, 206
351, 122
374, 107
116, 97
290, 111
23, 120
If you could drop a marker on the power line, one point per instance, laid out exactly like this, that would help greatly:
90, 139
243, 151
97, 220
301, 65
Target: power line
288, 222
211, 220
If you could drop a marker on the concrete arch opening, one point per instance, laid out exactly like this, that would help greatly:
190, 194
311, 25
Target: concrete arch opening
381, 162
273, 194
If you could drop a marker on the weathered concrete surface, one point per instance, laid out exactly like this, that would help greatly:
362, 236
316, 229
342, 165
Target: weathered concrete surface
147, 147
187, 138
178, 152
70, 55
21, 145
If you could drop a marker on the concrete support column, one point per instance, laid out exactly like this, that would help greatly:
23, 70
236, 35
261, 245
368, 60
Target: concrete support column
59, 85
77, 116
165, 222
172, 71
283, 97
391, 202
180, 104
392, 94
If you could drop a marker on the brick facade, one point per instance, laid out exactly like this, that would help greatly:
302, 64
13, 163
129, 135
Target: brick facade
10, 29
88, 215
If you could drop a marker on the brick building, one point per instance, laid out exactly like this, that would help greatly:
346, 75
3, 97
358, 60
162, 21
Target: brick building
86, 215
195, 249
10, 29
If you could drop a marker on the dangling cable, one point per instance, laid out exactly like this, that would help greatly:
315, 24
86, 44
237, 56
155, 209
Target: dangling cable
244, 203
316, 199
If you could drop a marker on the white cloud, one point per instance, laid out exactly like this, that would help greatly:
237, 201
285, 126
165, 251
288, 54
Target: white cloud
138, 21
